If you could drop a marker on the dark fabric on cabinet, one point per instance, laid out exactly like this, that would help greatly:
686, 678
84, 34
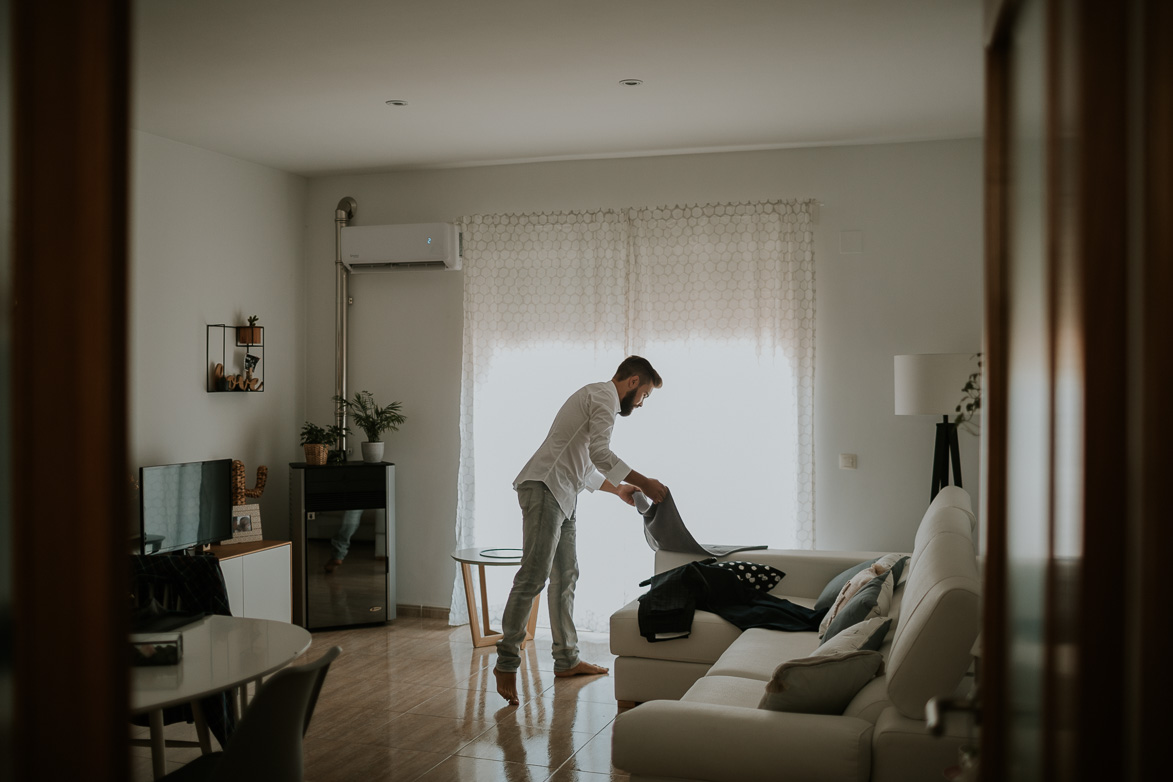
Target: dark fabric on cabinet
665, 530
675, 595
193, 585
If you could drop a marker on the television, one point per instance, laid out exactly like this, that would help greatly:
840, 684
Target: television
185, 505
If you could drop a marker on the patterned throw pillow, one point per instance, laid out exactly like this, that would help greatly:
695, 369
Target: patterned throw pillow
831, 591
874, 599
753, 574
868, 634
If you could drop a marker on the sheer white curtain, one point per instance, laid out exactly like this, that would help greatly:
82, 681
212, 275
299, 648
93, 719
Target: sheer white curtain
720, 299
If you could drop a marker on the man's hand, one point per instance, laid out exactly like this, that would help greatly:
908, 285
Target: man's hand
627, 492
655, 490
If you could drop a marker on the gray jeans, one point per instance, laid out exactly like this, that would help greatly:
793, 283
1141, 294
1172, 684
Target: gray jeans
340, 543
548, 551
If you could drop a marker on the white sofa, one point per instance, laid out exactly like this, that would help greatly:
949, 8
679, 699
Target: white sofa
698, 715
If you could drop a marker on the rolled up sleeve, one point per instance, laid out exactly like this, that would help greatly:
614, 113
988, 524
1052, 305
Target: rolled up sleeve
601, 422
594, 481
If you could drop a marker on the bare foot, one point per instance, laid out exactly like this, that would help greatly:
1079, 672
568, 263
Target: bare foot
332, 564
582, 669
507, 685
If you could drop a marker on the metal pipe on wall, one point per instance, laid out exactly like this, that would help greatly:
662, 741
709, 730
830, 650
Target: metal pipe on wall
342, 214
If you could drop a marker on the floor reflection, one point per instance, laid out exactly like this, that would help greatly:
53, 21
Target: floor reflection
414, 699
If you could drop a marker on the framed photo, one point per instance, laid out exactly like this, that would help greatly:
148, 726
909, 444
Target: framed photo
246, 524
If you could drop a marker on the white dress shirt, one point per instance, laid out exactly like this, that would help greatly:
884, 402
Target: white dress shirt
576, 453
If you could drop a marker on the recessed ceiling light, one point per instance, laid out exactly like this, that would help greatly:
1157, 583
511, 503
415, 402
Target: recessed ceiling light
631, 82
396, 102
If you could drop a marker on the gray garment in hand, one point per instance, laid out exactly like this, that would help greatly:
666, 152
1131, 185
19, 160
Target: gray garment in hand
665, 530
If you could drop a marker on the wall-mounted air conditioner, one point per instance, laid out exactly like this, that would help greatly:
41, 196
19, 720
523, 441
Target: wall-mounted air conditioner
383, 248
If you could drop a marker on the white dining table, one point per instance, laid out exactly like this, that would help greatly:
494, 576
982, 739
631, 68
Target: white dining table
220, 653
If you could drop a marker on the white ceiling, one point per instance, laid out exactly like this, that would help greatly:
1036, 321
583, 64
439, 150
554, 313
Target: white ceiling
301, 85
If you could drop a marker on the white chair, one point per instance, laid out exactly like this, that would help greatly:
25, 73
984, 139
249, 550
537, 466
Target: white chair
267, 742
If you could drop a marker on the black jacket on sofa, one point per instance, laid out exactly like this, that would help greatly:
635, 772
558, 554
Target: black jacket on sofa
668, 606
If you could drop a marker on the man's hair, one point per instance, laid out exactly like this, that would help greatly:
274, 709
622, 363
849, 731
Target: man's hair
636, 365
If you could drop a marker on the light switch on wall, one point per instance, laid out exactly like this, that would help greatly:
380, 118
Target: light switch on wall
847, 461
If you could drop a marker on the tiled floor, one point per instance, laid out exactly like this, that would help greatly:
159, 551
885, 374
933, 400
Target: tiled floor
415, 700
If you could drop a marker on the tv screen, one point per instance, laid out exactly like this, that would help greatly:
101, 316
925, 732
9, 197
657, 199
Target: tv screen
185, 505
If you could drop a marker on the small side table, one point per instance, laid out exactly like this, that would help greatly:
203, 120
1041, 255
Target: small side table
496, 557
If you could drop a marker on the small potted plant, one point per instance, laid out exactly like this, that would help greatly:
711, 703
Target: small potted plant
373, 420
316, 441
971, 403
250, 334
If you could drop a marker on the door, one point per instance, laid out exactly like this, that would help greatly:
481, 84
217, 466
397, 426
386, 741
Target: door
1078, 337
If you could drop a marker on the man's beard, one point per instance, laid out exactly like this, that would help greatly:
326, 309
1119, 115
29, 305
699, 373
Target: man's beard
627, 403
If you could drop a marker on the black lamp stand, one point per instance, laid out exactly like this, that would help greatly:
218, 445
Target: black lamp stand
946, 448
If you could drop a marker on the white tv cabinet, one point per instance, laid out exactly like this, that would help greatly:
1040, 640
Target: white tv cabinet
259, 578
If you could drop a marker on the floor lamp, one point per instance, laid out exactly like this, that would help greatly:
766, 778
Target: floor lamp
932, 384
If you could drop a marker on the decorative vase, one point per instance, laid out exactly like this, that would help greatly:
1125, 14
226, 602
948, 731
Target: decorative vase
315, 454
372, 452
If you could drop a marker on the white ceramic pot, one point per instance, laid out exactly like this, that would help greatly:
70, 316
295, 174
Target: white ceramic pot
372, 452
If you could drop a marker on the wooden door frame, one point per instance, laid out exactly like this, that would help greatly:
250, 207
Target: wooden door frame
1110, 93
68, 388
993, 668
1154, 677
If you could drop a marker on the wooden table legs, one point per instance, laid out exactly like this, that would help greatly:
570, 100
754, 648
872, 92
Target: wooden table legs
201, 726
489, 636
158, 751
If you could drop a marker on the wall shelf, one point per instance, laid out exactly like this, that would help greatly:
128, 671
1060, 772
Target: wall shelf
235, 359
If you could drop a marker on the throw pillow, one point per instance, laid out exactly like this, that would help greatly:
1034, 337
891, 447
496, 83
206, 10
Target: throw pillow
874, 599
868, 634
820, 685
835, 585
761, 577
894, 562
857, 582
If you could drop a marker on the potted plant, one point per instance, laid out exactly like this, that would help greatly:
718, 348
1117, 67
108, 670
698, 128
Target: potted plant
373, 420
250, 334
971, 403
316, 441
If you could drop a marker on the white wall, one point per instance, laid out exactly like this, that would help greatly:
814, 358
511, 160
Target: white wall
214, 240
915, 288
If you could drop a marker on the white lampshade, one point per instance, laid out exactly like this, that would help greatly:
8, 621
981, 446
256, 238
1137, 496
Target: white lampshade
932, 383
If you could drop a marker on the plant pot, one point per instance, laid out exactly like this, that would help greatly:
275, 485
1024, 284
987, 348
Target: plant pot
315, 454
372, 452
248, 335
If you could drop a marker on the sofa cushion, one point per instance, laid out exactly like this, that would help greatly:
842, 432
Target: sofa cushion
902, 749
939, 618
950, 511
726, 691
638, 679
758, 652
868, 634
873, 599
820, 685
762, 578
871, 701
688, 740
710, 637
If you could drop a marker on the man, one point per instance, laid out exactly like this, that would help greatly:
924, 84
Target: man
576, 454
